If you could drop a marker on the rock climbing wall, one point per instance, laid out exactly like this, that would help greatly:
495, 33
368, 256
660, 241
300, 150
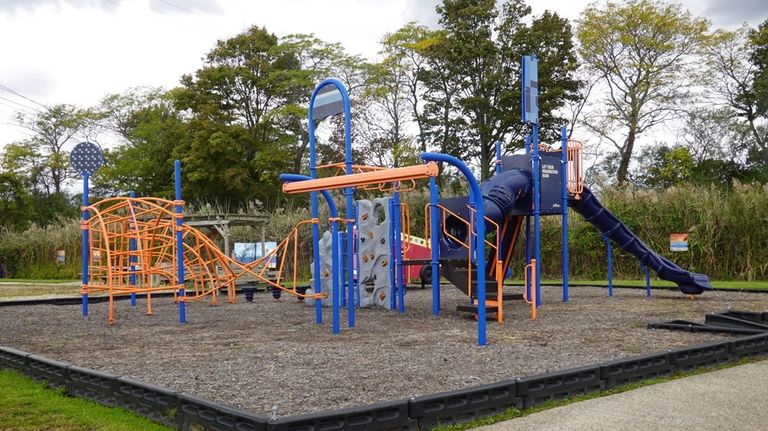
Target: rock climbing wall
375, 278
374, 250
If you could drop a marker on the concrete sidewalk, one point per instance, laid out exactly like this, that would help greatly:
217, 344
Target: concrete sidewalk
731, 399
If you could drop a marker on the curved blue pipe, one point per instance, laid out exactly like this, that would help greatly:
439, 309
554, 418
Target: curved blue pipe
289, 178
476, 200
349, 192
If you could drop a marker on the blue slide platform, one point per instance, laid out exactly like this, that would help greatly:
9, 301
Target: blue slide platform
594, 212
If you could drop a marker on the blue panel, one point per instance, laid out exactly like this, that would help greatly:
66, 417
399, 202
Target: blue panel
530, 89
328, 102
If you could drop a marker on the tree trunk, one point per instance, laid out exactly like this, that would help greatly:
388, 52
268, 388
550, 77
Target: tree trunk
485, 161
626, 157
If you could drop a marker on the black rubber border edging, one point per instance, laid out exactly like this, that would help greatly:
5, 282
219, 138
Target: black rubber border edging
187, 412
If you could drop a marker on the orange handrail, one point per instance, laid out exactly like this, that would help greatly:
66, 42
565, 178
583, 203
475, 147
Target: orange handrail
532, 301
575, 167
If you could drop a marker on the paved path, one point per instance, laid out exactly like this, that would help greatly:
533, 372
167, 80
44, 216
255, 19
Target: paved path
731, 399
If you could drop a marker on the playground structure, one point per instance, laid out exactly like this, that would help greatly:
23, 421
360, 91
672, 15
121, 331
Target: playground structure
131, 245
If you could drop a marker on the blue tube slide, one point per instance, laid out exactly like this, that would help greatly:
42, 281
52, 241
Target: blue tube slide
594, 212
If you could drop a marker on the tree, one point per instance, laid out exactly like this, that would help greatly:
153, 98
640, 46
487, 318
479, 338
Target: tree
662, 167
475, 62
150, 129
643, 51
403, 50
52, 130
758, 40
15, 208
732, 77
247, 104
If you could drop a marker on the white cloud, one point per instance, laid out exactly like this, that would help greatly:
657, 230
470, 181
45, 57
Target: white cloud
76, 51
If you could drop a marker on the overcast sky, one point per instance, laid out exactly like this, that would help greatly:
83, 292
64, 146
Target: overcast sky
76, 51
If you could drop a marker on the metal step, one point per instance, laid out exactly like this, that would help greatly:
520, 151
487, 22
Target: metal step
504, 296
472, 308
415, 262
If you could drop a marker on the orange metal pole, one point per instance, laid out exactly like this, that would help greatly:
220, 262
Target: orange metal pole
374, 177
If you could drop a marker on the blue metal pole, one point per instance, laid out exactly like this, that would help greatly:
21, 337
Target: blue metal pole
318, 288
349, 192
132, 247
335, 273
334, 214
527, 228
537, 212
342, 271
392, 273
356, 297
398, 252
86, 244
433, 238
498, 157
647, 280
477, 200
180, 243
609, 252
564, 180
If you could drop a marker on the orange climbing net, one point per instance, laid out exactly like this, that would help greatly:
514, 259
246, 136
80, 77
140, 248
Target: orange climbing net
132, 250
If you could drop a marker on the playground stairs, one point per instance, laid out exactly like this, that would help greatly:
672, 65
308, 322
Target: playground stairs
458, 273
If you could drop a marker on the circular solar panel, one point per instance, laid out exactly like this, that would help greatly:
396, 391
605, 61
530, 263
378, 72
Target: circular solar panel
86, 157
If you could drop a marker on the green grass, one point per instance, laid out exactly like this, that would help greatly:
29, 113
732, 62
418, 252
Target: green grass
28, 405
32, 281
513, 413
718, 284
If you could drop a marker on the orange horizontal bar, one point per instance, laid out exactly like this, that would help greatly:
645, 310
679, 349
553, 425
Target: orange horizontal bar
343, 165
362, 179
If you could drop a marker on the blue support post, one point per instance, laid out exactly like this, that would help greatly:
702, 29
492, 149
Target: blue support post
342, 271
434, 226
392, 274
315, 249
498, 157
398, 263
132, 247
86, 245
537, 212
357, 254
528, 256
477, 200
335, 274
564, 179
179, 243
352, 288
609, 252
334, 214
647, 280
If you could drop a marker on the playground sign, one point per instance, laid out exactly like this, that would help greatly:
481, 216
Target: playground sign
530, 93
246, 252
328, 102
678, 242
86, 158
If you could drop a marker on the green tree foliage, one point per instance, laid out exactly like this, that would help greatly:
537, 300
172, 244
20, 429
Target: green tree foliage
52, 129
473, 91
150, 129
15, 211
663, 167
643, 50
758, 40
246, 107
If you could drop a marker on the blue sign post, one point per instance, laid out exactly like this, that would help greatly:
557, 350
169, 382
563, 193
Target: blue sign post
530, 115
86, 158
